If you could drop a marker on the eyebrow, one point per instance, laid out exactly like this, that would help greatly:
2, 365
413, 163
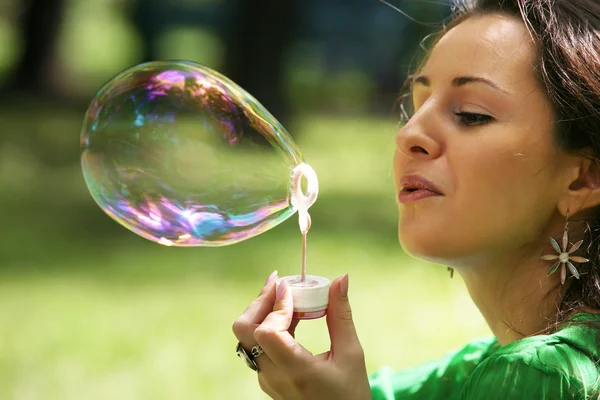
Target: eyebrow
461, 81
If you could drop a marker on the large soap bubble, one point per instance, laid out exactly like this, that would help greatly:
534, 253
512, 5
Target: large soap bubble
181, 155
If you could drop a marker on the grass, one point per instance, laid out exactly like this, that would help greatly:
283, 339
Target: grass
90, 311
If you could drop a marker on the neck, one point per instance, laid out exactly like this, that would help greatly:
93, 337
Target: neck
513, 291
516, 302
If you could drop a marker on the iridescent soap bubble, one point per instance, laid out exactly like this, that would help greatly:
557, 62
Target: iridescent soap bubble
181, 155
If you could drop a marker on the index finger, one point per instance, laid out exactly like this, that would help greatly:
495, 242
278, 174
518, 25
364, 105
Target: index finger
273, 335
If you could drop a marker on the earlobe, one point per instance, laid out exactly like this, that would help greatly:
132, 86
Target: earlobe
585, 199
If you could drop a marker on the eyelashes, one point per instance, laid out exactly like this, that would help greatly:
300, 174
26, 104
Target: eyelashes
465, 119
472, 119
408, 108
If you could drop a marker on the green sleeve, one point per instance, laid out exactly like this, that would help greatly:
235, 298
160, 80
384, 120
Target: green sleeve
504, 379
543, 372
439, 379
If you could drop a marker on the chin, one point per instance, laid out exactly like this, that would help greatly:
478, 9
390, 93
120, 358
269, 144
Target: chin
427, 245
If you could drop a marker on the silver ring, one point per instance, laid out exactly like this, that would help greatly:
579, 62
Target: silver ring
256, 351
249, 357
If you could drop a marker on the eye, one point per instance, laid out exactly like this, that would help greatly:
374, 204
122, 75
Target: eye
473, 119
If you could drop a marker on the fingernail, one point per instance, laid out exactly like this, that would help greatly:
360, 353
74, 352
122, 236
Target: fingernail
271, 277
281, 289
344, 286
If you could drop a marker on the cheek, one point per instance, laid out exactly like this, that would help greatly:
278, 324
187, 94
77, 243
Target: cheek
505, 197
501, 199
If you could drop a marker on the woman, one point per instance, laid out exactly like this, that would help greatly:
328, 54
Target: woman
500, 154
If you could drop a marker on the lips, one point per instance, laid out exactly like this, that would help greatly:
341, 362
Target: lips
415, 188
412, 183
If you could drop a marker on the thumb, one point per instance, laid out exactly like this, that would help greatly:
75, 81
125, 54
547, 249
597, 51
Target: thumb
344, 340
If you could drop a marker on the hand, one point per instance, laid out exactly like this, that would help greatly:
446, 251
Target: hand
288, 371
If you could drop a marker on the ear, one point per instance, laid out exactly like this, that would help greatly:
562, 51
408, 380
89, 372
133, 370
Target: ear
584, 192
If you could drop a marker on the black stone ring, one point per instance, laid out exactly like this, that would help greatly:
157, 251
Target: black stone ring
249, 357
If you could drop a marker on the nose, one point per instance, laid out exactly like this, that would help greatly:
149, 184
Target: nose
419, 138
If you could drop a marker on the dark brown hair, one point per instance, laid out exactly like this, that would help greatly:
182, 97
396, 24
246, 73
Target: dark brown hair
567, 34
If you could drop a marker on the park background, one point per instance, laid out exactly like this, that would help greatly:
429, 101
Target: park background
88, 310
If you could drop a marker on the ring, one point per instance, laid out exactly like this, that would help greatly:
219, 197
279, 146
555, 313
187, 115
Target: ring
257, 351
249, 358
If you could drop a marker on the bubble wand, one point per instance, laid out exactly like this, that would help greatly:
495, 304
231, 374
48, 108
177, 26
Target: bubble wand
302, 202
310, 293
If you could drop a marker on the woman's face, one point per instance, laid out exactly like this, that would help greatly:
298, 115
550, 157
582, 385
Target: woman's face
482, 134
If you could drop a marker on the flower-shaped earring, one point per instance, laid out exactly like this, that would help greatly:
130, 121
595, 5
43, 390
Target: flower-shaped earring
564, 257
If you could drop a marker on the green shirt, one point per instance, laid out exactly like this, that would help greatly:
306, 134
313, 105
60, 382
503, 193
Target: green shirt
563, 365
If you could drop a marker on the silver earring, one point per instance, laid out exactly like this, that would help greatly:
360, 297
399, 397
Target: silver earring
564, 257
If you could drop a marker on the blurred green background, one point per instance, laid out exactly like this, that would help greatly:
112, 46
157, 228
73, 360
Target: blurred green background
88, 310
